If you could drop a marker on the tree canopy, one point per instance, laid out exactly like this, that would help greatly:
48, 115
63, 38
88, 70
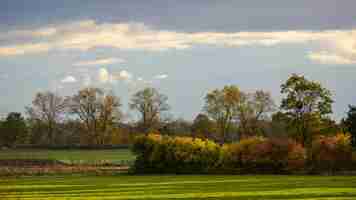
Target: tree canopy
305, 103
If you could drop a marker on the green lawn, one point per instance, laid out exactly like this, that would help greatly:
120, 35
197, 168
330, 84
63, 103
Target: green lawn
179, 187
71, 156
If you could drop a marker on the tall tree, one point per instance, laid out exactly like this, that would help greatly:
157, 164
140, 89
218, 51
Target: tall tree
13, 130
221, 105
98, 112
47, 109
305, 103
150, 104
350, 123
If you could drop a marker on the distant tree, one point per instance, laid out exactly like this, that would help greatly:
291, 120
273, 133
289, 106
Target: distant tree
178, 127
47, 110
305, 104
262, 103
253, 108
203, 126
350, 123
221, 105
98, 112
13, 130
150, 104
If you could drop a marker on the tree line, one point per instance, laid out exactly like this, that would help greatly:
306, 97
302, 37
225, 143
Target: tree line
93, 116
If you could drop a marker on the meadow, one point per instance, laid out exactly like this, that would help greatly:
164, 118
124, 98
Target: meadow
115, 156
178, 187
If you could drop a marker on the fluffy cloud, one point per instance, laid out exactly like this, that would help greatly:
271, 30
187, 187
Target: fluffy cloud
103, 75
161, 76
69, 79
106, 77
85, 35
21, 49
122, 75
125, 75
105, 61
325, 57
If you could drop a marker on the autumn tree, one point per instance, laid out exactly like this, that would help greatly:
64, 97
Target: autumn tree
221, 105
150, 104
350, 123
48, 110
13, 130
98, 111
305, 103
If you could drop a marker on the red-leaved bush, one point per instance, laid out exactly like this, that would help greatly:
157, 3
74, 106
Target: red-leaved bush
296, 156
271, 155
332, 153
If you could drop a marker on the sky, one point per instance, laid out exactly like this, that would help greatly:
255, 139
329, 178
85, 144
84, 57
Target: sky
184, 48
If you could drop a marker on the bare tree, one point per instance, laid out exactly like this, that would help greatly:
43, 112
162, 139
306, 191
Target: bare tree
49, 109
97, 111
150, 104
253, 108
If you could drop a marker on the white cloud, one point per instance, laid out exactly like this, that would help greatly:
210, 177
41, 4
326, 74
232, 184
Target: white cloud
69, 79
85, 35
21, 49
161, 76
103, 75
105, 61
125, 75
122, 75
324, 57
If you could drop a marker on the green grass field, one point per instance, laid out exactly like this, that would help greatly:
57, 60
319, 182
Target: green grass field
71, 156
178, 187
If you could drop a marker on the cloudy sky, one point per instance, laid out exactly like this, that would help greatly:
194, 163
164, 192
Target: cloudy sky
183, 47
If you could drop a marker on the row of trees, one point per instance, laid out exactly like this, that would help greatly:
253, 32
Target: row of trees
230, 107
91, 117
303, 113
94, 117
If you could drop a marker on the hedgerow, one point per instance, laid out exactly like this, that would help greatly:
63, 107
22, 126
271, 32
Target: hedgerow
165, 154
